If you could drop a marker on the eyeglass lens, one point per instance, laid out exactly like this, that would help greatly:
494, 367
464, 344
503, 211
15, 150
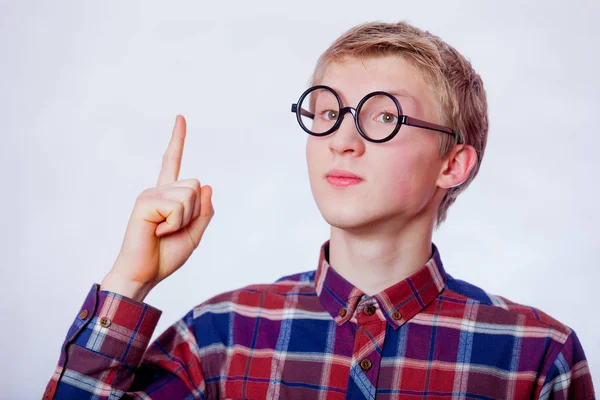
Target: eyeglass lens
377, 117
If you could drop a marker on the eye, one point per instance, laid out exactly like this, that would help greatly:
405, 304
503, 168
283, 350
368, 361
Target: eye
330, 115
387, 118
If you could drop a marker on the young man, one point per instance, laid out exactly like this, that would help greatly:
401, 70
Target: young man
397, 127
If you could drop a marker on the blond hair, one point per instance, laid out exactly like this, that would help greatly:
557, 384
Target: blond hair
455, 84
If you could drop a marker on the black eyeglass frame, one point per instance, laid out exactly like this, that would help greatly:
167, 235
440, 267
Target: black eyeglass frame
402, 119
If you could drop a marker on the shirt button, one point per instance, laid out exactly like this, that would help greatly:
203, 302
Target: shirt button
104, 322
47, 393
369, 309
397, 315
365, 364
83, 314
342, 312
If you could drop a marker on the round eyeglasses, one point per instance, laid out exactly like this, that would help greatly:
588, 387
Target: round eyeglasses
378, 116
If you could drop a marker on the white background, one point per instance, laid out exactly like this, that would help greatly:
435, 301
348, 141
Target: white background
89, 94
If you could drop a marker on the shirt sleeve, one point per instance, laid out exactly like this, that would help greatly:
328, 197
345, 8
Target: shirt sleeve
568, 374
106, 356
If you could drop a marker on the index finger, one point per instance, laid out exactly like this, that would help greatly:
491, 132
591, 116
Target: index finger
171, 164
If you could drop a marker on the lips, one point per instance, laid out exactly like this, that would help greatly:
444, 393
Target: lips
341, 173
342, 182
342, 178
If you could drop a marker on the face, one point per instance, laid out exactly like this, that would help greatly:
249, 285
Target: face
398, 176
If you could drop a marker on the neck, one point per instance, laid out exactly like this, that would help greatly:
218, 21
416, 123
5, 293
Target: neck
374, 259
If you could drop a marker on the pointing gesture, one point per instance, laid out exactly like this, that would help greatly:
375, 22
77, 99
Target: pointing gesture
172, 158
165, 227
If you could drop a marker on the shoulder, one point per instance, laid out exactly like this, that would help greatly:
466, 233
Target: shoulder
494, 308
498, 327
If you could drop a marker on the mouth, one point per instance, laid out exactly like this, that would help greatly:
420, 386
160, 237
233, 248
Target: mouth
341, 181
341, 178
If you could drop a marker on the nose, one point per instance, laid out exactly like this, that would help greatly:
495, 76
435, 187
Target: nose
346, 137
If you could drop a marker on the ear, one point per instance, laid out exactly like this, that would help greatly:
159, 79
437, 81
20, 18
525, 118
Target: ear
457, 166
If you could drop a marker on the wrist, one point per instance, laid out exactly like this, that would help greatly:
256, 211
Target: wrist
125, 287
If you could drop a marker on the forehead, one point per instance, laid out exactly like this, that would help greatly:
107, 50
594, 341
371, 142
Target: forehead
354, 77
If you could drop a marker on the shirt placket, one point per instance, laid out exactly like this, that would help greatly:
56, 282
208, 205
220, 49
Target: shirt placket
366, 355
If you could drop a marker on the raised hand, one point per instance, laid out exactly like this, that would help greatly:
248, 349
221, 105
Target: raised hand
165, 227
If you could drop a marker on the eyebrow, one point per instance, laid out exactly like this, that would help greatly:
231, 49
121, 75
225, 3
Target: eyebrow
396, 92
406, 95
400, 93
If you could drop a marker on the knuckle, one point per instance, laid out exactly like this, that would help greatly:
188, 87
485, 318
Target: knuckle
192, 183
188, 193
154, 193
192, 193
145, 193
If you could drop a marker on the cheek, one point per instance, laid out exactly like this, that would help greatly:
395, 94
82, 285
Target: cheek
406, 177
312, 154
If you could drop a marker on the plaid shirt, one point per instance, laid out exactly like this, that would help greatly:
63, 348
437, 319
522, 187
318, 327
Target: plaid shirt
313, 335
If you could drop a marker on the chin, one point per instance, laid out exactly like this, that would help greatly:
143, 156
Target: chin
347, 217
343, 223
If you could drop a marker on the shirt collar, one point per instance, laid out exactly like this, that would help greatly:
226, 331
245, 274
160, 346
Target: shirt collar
399, 302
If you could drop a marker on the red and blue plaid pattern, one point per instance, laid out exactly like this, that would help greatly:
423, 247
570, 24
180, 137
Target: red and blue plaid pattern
313, 335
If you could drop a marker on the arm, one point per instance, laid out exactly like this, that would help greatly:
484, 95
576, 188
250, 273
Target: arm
104, 354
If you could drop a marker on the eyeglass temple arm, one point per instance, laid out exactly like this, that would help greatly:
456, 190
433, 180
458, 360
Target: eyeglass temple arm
303, 112
410, 121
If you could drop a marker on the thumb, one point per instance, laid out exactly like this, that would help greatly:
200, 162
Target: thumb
197, 226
